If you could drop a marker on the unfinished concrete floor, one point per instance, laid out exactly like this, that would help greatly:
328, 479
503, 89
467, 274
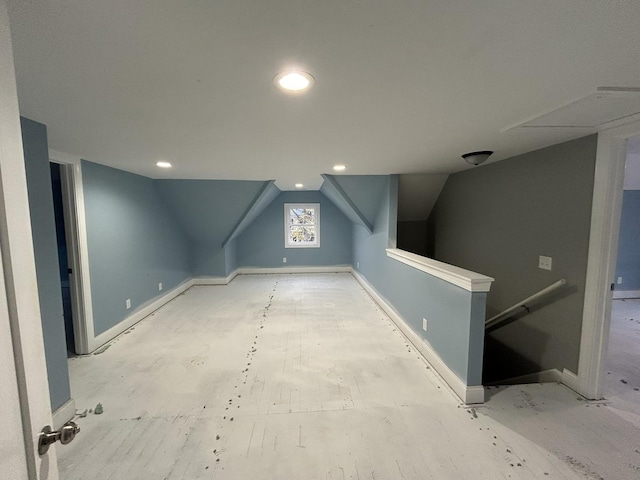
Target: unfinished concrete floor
303, 377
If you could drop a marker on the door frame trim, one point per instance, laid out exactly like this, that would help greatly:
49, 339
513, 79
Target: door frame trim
76, 231
603, 248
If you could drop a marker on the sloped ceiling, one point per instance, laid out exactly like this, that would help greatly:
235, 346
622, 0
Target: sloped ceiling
401, 87
417, 194
263, 199
358, 197
208, 210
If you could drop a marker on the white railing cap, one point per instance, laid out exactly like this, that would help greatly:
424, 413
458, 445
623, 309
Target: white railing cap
471, 281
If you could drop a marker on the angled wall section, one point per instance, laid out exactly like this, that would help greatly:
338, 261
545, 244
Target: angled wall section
334, 192
263, 199
209, 211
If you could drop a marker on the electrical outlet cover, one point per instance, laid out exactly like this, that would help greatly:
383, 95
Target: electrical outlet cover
544, 262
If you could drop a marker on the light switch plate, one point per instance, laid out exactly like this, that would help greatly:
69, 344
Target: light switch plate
544, 262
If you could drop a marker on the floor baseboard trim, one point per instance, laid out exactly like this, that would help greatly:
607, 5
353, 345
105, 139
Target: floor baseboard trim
570, 380
553, 375
621, 294
118, 329
64, 413
473, 394
215, 280
301, 269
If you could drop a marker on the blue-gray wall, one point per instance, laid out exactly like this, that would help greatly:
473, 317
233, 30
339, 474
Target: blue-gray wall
456, 316
498, 219
134, 243
356, 196
208, 211
36, 153
628, 264
262, 243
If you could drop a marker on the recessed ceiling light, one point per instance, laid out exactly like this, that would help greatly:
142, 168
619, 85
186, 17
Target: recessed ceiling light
299, 185
339, 168
163, 164
294, 81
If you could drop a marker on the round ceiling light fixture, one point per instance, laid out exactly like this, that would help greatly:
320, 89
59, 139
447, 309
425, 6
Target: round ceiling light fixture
339, 168
476, 158
294, 81
163, 164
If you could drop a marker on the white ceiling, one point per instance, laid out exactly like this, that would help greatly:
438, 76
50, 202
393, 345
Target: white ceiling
401, 87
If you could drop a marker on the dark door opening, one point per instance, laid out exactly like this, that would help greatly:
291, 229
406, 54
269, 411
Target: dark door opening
56, 186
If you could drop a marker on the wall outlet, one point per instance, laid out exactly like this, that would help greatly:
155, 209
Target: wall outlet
284, 259
424, 324
357, 264
619, 280
127, 303
160, 286
544, 262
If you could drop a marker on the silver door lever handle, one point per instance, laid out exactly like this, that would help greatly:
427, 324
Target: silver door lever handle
48, 436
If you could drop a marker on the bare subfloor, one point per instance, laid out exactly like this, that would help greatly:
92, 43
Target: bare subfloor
622, 375
303, 377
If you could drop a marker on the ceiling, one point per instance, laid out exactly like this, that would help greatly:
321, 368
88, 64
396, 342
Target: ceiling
401, 87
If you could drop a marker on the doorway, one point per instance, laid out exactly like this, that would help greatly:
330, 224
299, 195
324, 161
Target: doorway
603, 243
622, 378
65, 178
65, 270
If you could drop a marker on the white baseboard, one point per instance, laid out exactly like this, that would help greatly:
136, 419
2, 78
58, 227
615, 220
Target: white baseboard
268, 271
570, 379
552, 375
215, 280
617, 294
135, 317
303, 269
468, 394
64, 413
